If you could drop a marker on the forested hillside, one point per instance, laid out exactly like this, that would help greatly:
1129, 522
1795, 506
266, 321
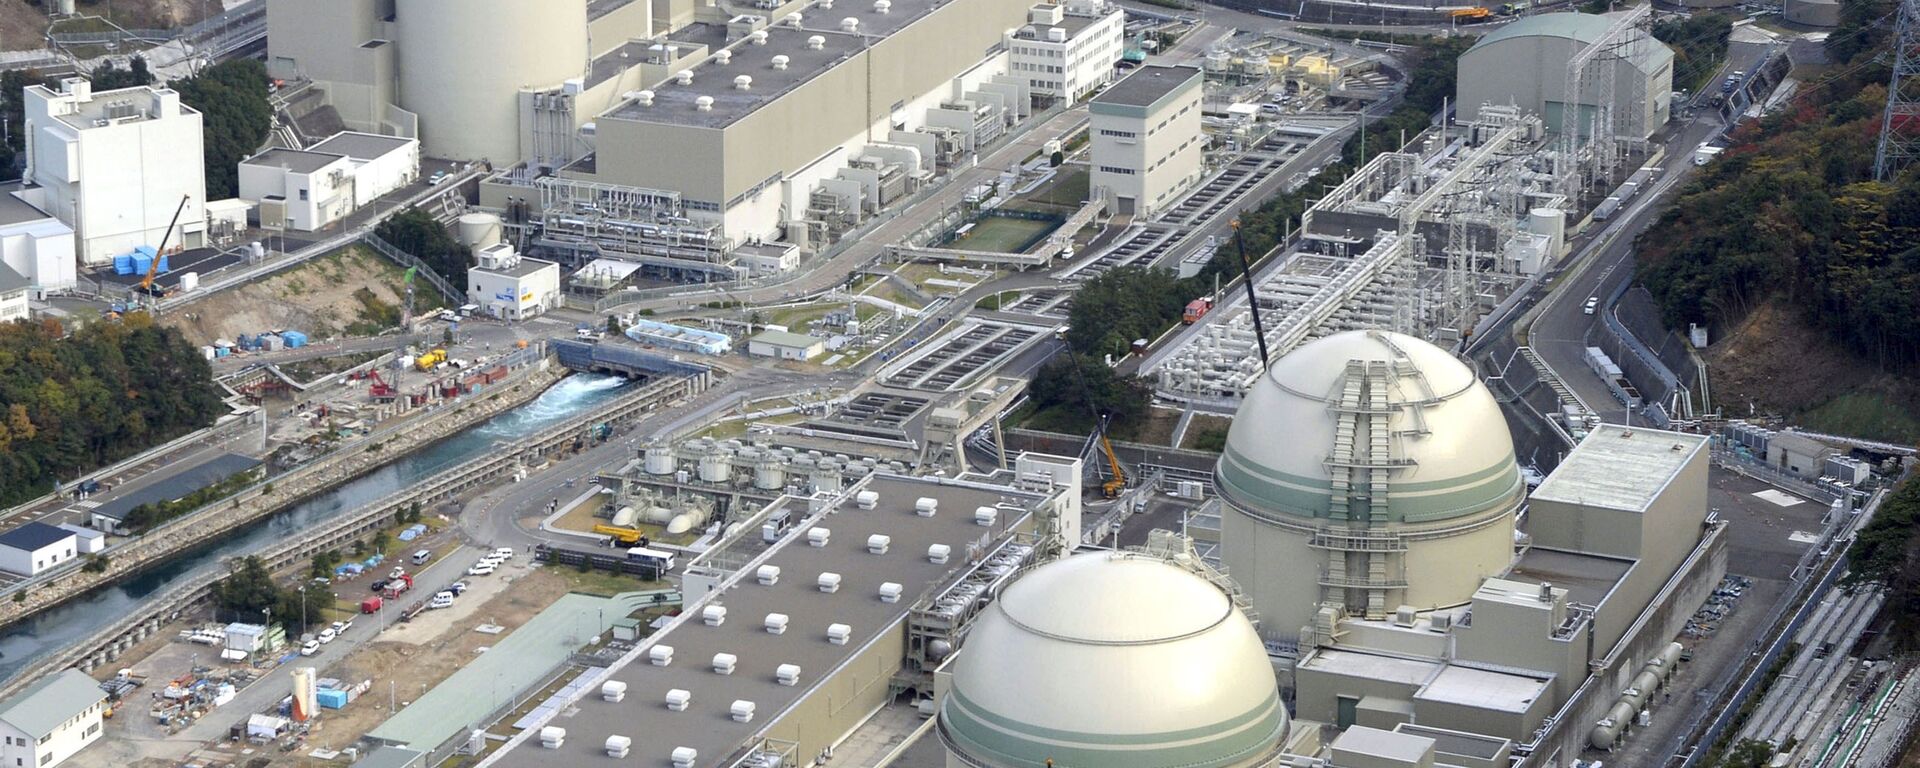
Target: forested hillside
107, 392
1790, 219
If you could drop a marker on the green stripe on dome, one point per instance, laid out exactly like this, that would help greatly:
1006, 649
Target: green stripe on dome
983, 734
1410, 501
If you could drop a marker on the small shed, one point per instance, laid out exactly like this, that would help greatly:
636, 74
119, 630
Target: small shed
785, 345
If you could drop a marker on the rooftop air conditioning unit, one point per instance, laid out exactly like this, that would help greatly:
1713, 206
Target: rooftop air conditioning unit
890, 592
552, 737
866, 499
1443, 621
882, 6
776, 624
724, 663
780, 61
768, 575
839, 634
1056, 35
829, 582
684, 757
742, 711
703, 104
743, 83
787, 674
713, 615
613, 690
850, 24
683, 77
816, 42
795, 20
1405, 616
643, 98
926, 506
678, 699
618, 746
878, 543
723, 57
817, 536
660, 655
938, 553
985, 516
759, 37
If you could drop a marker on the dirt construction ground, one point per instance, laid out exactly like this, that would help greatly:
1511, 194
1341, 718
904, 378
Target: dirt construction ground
1776, 363
340, 293
23, 23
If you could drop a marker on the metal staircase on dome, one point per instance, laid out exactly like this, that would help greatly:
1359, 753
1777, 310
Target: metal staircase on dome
1364, 566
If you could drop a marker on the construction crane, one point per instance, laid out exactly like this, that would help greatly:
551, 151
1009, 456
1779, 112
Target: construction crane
153, 270
1112, 488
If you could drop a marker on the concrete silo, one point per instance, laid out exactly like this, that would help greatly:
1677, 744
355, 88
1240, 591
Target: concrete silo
463, 64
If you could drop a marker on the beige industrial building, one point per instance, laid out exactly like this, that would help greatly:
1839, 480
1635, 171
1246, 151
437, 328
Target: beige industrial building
783, 649
1525, 64
1146, 144
509, 286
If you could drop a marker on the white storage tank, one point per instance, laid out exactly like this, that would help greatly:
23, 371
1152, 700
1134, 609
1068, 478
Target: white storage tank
678, 699
467, 92
768, 475
477, 230
714, 468
660, 460
660, 655
625, 517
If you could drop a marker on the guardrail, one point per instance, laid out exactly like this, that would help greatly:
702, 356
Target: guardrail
421, 268
333, 532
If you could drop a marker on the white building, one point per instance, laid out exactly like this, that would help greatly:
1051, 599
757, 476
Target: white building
308, 189
1525, 63
35, 244
1146, 144
1068, 49
115, 165
509, 286
13, 295
786, 346
47, 723
35, 547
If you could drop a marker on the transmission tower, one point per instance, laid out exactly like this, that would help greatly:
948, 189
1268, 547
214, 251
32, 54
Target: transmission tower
1900, 128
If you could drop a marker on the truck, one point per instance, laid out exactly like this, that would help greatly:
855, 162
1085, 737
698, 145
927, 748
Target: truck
429, 360
620, 534
371, 604
1705, 153
1196, 309
397, 587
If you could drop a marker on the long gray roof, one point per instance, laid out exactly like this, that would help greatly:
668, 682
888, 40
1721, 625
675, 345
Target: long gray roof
53, 700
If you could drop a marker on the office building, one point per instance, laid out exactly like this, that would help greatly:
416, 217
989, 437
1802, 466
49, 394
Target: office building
1146, 142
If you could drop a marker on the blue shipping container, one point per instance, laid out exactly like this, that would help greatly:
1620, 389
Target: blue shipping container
123, 264
163, 265
294, 339
221, 352
142, 263
330, 698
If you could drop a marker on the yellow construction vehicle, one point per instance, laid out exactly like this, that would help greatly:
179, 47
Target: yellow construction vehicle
1112, 488
428, 360
626, 536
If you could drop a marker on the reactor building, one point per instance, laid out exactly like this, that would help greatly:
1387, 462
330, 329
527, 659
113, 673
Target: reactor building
1112, 659
1526, 64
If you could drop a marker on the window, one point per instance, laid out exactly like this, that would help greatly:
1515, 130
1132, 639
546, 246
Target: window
1119, 134
303, 194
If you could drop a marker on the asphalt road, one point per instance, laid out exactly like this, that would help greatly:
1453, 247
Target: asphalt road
1601, 260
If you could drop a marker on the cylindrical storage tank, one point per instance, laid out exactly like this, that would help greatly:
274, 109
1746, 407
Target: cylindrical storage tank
768, 475
477, 230
464, 62
1635, 697
1671, 655
1607, 732
714, 468
1551, 222
660, 460
1648, 681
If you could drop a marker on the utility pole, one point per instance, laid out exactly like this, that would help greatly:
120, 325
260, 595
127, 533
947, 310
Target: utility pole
1900, 126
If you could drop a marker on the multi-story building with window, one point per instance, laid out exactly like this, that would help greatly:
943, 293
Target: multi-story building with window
1146, 141
1068, 49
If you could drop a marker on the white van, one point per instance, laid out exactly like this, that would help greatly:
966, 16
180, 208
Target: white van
441, 599
422, 556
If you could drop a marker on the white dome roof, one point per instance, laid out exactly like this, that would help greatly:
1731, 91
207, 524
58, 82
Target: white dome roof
1113, 659
1447, 449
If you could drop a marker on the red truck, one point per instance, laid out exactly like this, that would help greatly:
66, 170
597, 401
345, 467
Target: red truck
1196, 309
398, 587
371, 604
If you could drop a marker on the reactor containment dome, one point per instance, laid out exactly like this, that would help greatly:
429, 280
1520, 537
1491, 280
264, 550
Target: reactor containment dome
1113, 659
1365, 471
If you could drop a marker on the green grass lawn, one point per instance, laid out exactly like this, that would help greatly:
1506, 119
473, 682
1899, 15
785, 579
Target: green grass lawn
1068, 188
1003, 234
1864, 414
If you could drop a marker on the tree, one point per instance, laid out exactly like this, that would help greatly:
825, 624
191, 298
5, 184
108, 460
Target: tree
235, 116
613, 326
96, 564
13, 110
1748, 753
109, 76
416, 232
446, 336
1075, 390
381, 540
248, 590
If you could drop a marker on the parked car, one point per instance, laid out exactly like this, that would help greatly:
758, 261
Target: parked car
1593, 302
441, 599
380, 584
327, 635
341, 627
310, 647
397, 572
482, 568
503, 553
457, 588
